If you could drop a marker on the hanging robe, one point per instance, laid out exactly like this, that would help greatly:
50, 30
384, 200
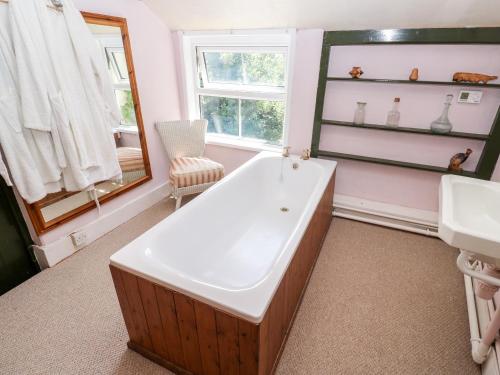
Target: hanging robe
41, 37
97, 84
25, 155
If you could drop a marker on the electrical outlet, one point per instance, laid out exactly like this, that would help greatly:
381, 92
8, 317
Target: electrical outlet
79, 239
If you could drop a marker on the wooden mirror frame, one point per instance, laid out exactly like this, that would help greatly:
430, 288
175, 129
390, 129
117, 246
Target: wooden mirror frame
34, 209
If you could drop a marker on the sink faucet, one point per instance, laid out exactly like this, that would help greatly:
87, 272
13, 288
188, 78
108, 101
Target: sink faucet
285, 152
306, 154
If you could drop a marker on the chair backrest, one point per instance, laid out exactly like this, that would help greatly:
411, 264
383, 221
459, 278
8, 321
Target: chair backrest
183, 138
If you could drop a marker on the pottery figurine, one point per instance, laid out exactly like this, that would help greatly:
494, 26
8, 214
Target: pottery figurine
458, 159
414, 74
473, 77
356, 72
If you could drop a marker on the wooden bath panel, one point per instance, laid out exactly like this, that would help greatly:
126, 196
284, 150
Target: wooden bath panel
188, 336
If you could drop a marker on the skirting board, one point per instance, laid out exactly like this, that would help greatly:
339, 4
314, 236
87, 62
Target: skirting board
389, 215
393, 216
51, 254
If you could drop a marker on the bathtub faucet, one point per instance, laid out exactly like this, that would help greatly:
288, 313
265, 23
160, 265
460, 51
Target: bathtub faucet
285, 152
306, 154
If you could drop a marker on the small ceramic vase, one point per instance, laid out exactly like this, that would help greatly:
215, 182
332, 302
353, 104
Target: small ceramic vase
414, 74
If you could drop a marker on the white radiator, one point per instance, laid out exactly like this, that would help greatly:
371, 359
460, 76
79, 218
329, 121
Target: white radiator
480, 313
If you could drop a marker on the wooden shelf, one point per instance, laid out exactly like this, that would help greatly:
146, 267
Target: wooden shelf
481, 137
490, 153
404, 81
394, 163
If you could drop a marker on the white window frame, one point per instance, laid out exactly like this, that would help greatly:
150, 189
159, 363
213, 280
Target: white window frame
110, 51
112, 43
193, 44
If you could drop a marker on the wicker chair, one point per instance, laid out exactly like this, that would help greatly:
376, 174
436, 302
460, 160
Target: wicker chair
190, 172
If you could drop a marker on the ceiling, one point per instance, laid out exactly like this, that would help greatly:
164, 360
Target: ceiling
325, 14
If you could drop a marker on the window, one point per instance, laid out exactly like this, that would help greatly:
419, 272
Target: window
118, 64
250, 68
126, 105
111, 45
239, 84
118, 70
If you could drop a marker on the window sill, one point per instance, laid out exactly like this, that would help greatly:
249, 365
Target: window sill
240, 144
127, 129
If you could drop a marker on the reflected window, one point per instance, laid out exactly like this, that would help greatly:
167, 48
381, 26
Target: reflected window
126, 105
112, 49
118, 64
118, 70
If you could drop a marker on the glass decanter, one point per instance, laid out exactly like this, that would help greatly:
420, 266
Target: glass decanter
359, 114
442, 124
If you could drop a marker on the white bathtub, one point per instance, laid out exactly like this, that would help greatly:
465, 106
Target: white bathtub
231, 246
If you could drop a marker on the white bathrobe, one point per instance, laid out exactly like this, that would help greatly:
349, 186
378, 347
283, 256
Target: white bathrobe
26, 155
97, 84
62, 88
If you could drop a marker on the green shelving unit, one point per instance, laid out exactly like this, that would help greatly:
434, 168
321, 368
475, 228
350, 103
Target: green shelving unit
487, 35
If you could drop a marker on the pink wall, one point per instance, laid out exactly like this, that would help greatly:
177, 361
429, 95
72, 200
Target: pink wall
155, 56
419, 106
154, 63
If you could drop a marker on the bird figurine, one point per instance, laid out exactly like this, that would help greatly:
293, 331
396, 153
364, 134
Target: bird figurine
458, 159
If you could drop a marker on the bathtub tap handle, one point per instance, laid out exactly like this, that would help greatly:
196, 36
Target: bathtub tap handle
285, 152
306, 154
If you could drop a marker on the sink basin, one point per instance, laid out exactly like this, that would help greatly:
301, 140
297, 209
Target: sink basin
469, 216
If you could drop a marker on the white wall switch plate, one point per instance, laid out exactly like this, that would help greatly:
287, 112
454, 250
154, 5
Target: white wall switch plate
470, 97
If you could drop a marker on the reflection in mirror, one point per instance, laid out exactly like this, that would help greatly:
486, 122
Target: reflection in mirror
133, 160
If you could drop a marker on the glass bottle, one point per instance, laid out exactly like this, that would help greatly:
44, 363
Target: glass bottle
359, 114
393, 115
442, 124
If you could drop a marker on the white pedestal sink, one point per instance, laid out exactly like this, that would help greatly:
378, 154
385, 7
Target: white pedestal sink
469, 218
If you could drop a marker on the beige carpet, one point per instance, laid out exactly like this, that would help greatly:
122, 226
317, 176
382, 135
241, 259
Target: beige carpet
380, 302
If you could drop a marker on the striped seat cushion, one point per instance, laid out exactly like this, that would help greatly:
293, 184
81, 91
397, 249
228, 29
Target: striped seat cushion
130, 159
189, 171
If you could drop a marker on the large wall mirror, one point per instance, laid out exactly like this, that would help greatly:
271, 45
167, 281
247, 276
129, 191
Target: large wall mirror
111, 36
